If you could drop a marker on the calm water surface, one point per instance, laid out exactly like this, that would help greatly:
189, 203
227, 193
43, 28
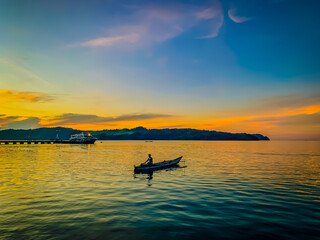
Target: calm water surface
229, 190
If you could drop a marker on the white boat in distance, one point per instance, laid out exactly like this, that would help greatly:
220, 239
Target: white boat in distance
82, 138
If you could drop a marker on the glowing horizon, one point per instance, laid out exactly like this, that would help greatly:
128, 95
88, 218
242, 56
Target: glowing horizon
215, 65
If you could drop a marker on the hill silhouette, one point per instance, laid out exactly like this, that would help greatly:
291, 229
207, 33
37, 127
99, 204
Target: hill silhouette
139, 133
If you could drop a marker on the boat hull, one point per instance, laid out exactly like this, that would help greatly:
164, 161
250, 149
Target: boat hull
91, 141
157, 166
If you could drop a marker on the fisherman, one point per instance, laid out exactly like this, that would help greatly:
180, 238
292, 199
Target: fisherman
149, 160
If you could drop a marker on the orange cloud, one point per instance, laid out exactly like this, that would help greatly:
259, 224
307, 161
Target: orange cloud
305, 110
72, 119
27, 96
303, 121
292, 122
4, 120
18, 122
251, 123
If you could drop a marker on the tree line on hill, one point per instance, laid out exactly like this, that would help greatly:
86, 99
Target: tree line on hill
139, 133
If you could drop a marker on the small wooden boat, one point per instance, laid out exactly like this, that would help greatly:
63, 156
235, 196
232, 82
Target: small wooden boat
156, 166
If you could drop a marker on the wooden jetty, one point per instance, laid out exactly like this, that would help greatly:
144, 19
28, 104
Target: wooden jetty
4, 142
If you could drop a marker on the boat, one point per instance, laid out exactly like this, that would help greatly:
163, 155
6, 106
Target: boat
157, 166
82, 138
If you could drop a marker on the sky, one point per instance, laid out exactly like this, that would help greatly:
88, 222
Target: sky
238, 66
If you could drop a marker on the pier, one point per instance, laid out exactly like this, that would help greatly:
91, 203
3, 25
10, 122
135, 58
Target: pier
6, 142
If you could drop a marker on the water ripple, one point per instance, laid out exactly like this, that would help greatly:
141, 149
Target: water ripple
230, 190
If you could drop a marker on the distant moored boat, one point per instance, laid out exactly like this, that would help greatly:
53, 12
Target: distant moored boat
82, 138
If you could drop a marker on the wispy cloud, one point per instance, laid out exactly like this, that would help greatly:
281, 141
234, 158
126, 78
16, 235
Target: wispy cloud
155, 24
208, 13
294, 116
286, 102
215, 28
232, 13
29, 74
4, 120
29, 123
109, 41
18, 122
274, 104
283, 122
81, 121
74, 119
304, 119
27, 96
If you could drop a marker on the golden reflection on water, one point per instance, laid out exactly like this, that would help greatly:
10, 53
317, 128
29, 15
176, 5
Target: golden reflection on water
68, 181
28, 165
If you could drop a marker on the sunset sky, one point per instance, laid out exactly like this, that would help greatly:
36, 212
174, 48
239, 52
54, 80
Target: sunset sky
238, 66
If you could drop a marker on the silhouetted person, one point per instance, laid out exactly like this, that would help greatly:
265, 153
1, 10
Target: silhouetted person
149, 160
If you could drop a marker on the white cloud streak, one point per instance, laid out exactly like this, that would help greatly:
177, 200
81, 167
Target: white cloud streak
109, 41
232, 13
154, 24
24, 71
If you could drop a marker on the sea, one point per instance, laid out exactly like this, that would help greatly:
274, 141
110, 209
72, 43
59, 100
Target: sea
220, 190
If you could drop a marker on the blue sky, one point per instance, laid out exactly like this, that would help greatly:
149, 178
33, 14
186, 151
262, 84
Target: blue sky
200, 62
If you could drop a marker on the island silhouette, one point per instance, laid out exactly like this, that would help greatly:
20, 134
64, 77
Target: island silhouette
138, 133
